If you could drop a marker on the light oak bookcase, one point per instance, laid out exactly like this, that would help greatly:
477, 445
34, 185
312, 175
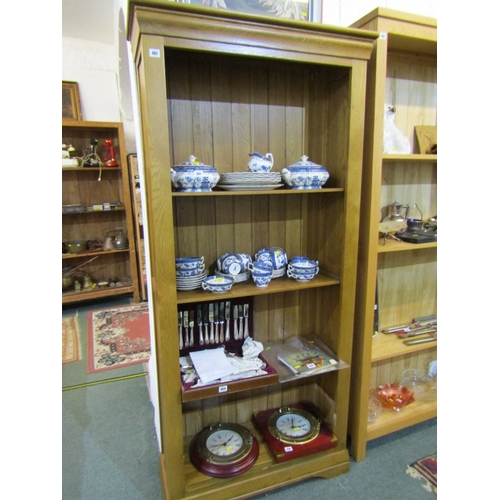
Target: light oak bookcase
219, 85
402, 72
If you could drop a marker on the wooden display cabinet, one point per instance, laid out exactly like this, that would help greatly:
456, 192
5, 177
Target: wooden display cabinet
219, 85
88, 186
402, 72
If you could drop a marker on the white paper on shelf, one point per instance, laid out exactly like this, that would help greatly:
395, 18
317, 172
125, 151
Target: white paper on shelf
211, 364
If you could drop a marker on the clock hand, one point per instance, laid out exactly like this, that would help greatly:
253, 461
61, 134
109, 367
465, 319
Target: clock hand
223, 444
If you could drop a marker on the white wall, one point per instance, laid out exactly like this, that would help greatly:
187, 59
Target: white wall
94, 54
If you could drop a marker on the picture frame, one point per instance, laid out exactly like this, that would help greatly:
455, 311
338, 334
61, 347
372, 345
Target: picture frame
301, 10
71, 108
427, 138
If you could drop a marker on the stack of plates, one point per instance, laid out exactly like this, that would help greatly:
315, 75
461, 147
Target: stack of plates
191, 282
241, 181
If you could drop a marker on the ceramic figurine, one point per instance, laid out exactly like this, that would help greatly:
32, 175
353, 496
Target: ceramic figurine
395, 142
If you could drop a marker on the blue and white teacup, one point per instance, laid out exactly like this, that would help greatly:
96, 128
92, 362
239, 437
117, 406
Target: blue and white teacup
229, 264
261, 281
245, 261
279, 257
264, 255
261, 268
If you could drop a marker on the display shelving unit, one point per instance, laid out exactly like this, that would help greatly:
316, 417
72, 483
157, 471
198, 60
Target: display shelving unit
87, 186
219, 85
402, 72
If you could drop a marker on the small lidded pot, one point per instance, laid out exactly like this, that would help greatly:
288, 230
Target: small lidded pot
193, 176
305, 175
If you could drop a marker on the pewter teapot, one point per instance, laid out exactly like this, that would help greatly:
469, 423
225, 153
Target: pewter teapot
398, 212
115, 239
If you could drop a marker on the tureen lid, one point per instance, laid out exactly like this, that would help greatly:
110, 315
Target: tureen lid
305, 163
193, 162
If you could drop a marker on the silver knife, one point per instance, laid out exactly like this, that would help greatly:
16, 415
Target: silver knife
191, 328
186, 329
211, 320
200, 323
240, 317
221, 322
181, 343
205, 322
245, 314
235, 318
216, 321
228, 317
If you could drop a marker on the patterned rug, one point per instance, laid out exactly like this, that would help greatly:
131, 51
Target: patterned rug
70, 341
425, 469
118, 337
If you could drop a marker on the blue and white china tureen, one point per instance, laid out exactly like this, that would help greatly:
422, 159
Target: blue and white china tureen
305, 175
193, 176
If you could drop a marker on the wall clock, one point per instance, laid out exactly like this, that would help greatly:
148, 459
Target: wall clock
294, 431
224, 450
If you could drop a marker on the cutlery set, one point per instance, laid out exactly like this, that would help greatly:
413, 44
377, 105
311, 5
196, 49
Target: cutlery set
213, 323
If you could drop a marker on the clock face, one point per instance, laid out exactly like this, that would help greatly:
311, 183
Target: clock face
224, 443
224, 450
293, 425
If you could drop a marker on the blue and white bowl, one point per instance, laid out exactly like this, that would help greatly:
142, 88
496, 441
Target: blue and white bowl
303, 264
217, 284
305, 175
302, 276
193, 176
190, 272
189, 263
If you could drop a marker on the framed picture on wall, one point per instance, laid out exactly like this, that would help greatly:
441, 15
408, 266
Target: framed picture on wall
71, 101
300, 10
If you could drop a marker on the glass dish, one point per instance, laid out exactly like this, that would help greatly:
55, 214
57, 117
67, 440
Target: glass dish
374, 409
395, 396
417, 380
